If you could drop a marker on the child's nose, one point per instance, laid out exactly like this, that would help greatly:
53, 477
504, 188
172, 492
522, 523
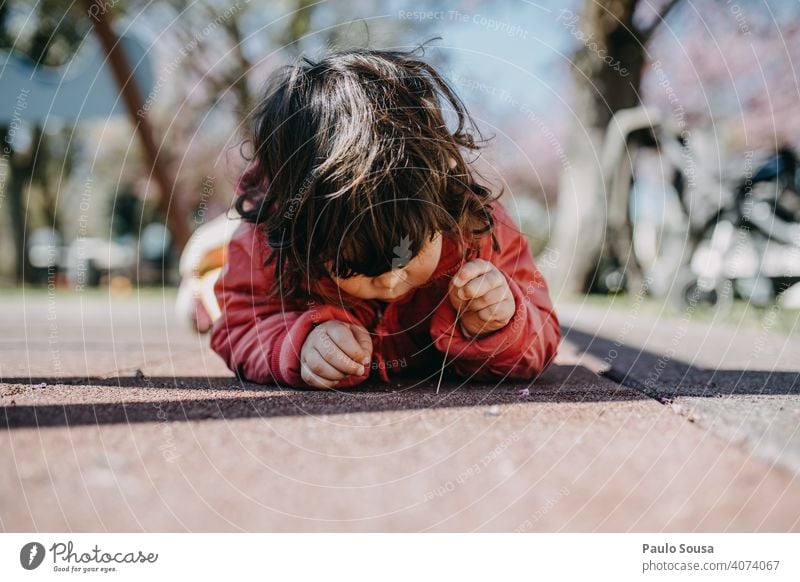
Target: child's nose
391, 279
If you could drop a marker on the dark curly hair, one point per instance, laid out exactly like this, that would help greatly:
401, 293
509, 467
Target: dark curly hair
351, 155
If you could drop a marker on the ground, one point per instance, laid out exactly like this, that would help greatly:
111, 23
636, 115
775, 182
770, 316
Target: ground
115, 417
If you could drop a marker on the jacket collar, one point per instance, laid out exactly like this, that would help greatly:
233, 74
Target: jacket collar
450, 260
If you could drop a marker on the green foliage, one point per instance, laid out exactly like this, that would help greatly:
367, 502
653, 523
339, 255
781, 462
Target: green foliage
48, 32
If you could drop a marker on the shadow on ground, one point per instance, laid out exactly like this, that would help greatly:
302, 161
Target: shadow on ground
200, 398
664, 377
633, 375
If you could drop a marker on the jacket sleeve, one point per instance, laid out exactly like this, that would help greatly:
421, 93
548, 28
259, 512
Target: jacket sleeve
259, 337
528, 343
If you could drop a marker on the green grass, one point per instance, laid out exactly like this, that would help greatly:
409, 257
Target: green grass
90, 292
741, 315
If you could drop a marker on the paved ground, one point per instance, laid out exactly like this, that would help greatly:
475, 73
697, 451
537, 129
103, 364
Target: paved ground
739, 380
114, 418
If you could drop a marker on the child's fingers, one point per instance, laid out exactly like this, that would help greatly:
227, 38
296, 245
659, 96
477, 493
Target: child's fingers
333, 355
498, 312
313, 380
321, 366
364, 340
481, 285
491, 297
343, 337
470, 270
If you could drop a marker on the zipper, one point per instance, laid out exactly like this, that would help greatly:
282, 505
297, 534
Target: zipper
380, 313
378, 346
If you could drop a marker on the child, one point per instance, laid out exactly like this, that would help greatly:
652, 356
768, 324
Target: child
367, 247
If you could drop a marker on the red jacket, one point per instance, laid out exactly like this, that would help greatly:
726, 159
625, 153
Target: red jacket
260, 338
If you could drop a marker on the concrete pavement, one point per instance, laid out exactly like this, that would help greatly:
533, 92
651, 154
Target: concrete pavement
114, 418
739, 380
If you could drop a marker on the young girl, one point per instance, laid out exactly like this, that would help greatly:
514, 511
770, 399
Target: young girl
367, 247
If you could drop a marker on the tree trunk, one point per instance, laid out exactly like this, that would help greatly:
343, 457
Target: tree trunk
21, 170
607, 70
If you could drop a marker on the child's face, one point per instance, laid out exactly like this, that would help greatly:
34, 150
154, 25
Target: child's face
394, 284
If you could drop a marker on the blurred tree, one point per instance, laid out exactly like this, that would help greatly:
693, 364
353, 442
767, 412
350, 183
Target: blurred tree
45, 33
728, 66
733, 65
607, 72
208, 80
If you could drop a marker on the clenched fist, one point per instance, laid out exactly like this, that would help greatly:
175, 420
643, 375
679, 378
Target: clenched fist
481, 294
333, 350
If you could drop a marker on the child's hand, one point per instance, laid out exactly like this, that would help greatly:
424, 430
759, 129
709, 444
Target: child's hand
481, 293
333, 350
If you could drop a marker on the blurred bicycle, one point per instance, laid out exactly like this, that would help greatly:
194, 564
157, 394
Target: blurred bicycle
691, 229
